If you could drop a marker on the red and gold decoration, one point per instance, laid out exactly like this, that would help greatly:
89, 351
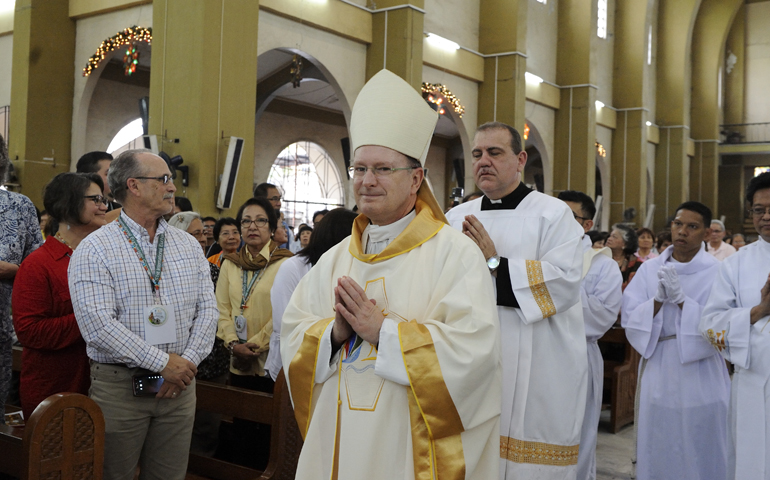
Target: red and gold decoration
130, 60
128, 36
436, 94
526, 131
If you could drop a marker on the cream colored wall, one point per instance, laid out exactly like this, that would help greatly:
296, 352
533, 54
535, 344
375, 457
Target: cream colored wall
650, 71
274, 132
603, 55
544, 119
113, 105
435, 163
457, 20
604, 136
757, 62
344, 60
6, 60
91, 31
542, 33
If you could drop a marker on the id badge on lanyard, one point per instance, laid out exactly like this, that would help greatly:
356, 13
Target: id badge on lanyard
241, 326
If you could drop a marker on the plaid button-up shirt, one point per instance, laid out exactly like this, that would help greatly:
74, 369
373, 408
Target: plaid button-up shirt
110, 288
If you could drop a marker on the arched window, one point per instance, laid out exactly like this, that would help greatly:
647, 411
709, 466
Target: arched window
128, 137
309, 181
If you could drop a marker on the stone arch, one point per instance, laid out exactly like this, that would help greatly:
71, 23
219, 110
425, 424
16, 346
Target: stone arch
535, 139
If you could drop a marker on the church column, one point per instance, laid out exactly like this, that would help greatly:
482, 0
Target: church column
629, 140
42, 83
203, 91
672, 163
397, 37
503, 40
712, 25
575, 151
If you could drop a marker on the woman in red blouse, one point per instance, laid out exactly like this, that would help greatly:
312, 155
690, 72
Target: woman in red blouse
54, 358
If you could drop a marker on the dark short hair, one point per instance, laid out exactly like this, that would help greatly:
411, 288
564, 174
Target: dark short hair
331, 230
597, 236
319, 212
262, 188
643, 230
184, 204
89, 163
629, 236
272, 217
760, 182
699, 208
516, 145
662, 237
586, 204
208, 219
63, 197
223, 222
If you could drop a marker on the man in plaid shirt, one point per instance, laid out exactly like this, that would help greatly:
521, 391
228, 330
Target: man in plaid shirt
145, 305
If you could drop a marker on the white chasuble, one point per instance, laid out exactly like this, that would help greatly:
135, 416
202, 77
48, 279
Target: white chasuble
426, 404
684, 385
726, 324
543, 341
601, 296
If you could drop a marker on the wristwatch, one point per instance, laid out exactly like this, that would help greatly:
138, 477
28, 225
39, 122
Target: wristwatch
493, 262
230, 346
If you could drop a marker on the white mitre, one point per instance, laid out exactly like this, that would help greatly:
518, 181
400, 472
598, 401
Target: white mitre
390, 113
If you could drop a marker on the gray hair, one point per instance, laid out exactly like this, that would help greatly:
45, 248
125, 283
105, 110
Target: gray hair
4, 162
718, 222
182, 220
121, 169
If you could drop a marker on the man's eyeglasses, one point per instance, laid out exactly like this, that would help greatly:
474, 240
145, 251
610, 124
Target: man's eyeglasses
377, 171
98, 199
759, 211
579, 218
164, 179
277, 198
260, 222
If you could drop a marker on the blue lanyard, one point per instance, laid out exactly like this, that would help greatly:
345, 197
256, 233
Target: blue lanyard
248, 288
154, 278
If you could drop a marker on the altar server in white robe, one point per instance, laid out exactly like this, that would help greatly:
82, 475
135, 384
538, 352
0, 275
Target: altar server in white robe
534, 252
736, 322
391, 342
683, 386
601, 296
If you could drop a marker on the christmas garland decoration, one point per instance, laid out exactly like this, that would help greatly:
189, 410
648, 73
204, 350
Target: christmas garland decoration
125, 37
431, 89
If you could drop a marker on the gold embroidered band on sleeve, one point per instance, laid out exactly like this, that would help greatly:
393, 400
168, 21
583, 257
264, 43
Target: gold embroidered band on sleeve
539, 289
521, 451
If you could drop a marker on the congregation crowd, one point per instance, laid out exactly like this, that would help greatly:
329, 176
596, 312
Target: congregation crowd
415, 342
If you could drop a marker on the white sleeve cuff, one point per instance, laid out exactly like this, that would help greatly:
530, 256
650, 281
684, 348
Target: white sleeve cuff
390, 361
326, 364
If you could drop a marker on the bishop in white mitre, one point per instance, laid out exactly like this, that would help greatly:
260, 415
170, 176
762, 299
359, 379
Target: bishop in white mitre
534, 252
683, 384
735, 321
601, 296
391, 342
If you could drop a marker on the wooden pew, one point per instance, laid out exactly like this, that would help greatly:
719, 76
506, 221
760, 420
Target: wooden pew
620, 379
64, 438
274, 410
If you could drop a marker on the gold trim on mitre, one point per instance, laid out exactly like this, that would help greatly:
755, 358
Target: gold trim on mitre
390, 113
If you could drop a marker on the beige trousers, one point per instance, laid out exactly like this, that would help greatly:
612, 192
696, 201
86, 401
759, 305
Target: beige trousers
155, 434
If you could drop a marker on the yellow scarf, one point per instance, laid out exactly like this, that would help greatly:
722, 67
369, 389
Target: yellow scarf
430, 219
258, 262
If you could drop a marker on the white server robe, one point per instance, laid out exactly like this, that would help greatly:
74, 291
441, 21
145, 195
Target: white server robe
683, 401
726, 323
601, 296
545, 370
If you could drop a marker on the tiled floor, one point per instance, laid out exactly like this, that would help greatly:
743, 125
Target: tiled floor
614, 451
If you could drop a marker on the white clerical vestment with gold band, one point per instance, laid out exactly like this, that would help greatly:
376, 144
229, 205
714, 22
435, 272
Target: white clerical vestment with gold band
427, 404
545, 366
726, 323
